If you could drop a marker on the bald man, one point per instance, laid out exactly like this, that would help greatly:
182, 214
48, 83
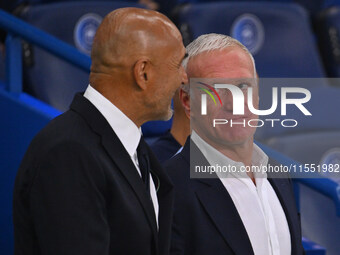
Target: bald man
88, 183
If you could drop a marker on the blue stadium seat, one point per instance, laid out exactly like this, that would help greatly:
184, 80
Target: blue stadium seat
312, 248
46, 77
313, 6
2, 68
316, 140
21, 118
316, 5
328, 33
206, 1
319, 220
314, 135
278, 34
330, 3
323, 106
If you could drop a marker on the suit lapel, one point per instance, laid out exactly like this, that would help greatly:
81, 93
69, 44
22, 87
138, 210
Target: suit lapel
128, 169
117, 153
218, 204
222, 211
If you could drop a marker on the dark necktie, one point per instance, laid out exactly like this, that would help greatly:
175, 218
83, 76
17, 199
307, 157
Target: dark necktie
144, 163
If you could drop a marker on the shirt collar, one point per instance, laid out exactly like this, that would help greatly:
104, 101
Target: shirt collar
214, 157
126, 130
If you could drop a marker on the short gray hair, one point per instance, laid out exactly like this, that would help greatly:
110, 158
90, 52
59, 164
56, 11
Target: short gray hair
210, 42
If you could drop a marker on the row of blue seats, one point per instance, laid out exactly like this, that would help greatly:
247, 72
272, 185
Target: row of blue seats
270, 19
279, 35
249, 30
312, 6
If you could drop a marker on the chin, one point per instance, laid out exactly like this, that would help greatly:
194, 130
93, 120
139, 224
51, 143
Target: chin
165, 116
235, 137
237, 140
169, 115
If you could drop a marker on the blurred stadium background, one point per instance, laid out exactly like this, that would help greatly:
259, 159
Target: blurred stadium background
44, 60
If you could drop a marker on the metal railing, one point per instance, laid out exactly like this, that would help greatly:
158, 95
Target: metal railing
316, 181
18, 29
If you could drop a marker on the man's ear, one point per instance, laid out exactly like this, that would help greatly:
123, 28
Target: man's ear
141, 71
185, 100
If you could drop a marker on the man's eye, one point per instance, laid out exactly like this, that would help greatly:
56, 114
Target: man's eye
243, 86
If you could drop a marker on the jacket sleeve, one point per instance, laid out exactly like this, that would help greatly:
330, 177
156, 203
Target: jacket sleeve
67, 203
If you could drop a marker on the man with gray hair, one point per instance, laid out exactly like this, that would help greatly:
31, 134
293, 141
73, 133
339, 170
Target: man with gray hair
234, 211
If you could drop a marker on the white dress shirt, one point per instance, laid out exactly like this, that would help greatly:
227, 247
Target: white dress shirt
258, 206
126, 130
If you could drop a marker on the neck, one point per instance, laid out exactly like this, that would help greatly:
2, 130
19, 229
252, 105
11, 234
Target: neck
242, 153
180, 128
124, 99
239, 152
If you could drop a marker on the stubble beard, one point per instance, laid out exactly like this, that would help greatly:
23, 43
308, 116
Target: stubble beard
168, 114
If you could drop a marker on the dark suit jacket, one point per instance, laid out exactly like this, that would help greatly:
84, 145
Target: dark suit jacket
206, 220
165, 147
78, 192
